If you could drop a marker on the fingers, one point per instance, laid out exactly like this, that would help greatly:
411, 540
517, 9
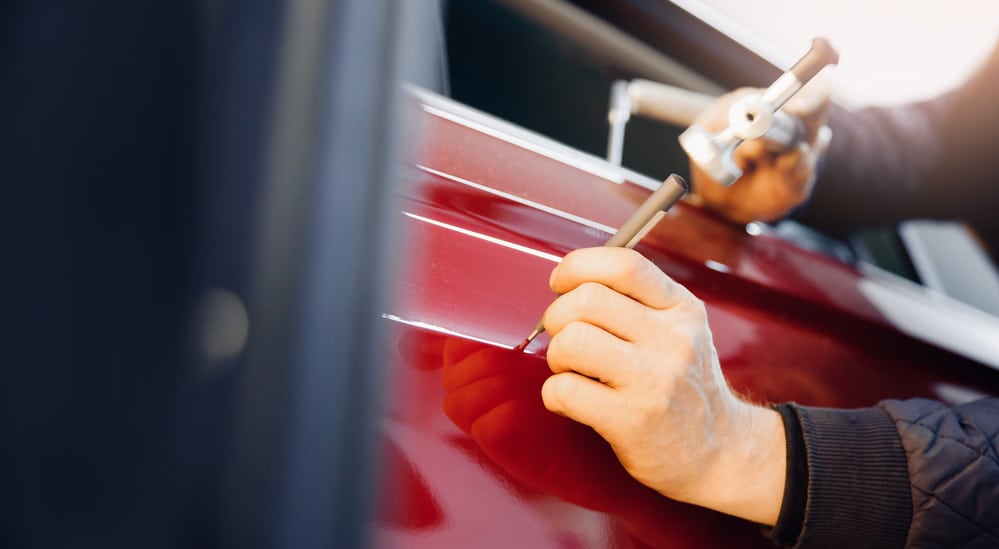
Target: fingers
798, 168
620, 269
810, 104
770, 187
793, 168
772, 184
596, 304
592, 352
579, 398
750, 154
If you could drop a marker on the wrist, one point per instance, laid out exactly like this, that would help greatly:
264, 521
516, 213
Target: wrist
747, 479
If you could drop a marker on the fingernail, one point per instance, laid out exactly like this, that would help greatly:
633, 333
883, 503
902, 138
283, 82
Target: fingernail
551, 277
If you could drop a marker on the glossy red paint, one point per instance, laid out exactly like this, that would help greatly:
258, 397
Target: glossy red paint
472, 457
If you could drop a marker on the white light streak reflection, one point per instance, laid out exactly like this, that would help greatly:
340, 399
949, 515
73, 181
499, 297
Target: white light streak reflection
443, 330
491, 239
947, 323
716, 266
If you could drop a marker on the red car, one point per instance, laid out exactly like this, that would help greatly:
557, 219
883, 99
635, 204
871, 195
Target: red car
473, 459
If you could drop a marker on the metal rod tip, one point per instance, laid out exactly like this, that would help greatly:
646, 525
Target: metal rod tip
523, 344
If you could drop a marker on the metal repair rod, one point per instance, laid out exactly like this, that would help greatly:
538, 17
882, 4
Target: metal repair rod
635, 228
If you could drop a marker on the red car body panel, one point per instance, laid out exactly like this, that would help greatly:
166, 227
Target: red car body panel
472, 458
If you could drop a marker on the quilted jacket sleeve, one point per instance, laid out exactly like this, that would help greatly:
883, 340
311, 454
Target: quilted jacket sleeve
913, 473
953, 462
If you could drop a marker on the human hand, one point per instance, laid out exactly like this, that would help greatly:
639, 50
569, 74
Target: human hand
772, 184
494, 396
633, 358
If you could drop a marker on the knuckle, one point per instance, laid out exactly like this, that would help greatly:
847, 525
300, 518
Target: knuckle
557, 359
551, 319
631, 262
556, 392
589, 295
633, 266
641, 413
698, 307
564, 347
573, 333
569, 340
573, 305
647, 411
690, 303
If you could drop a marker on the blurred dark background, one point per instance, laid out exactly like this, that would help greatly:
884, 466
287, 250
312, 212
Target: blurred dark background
189, 317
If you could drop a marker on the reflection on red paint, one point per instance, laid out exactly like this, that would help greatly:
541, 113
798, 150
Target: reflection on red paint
494, 395
406, 501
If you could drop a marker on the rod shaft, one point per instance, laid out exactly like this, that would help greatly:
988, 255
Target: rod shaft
630, 233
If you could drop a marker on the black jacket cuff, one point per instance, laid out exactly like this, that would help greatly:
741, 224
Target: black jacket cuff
792, 509
858, 480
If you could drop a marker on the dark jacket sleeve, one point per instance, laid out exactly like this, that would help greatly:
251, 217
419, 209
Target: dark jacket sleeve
930, 159
953, 463
914, 473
